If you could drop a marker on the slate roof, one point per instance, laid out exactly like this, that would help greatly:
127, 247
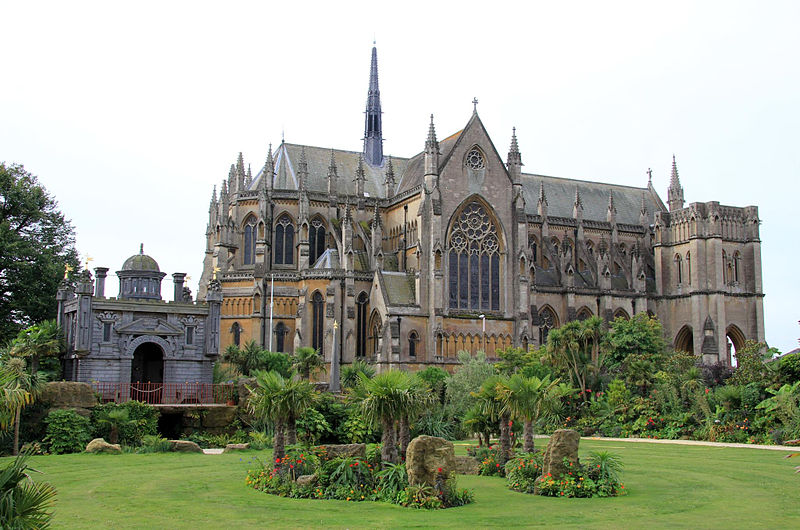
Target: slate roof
399, 288
559, 191
318, 159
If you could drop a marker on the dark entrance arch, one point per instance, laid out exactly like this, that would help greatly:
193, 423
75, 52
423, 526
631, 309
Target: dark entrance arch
684, 341
147, 373
735, 341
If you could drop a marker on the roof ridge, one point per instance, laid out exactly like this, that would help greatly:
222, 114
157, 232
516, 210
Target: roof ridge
585, 181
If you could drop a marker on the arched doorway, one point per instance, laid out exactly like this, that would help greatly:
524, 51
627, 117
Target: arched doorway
735, 340
684, 341
147, 373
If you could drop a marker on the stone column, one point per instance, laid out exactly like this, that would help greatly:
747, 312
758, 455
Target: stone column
100, 281
177, 280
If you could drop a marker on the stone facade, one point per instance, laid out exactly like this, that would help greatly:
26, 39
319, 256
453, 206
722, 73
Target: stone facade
137, 337
406, 261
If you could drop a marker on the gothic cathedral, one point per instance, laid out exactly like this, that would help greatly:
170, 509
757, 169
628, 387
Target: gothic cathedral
409, 260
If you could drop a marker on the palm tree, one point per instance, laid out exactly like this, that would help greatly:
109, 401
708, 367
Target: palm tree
265, 402
306, 361
524, 398
23, 502
490, 404
380, 401
350, 377
20, 389
298, 396
417, 397
281, 401
478, 423
38, 341
115, 418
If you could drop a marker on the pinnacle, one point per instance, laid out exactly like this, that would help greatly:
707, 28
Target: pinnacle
578, 201
542, 197
431, 142
674, 181
611, 207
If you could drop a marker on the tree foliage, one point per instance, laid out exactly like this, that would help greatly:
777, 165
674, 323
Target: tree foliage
36, 242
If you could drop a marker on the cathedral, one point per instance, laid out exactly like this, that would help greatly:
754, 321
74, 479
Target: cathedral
405, 261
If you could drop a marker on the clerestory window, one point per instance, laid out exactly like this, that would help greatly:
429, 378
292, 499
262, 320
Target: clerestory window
474, 276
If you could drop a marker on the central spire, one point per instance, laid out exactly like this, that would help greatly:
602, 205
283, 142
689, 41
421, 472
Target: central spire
373, 135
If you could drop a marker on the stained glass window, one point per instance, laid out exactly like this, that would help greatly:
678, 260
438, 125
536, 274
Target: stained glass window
316, 240
474, 276
284, 241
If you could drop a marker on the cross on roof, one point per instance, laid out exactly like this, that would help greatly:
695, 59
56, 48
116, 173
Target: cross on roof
474, 104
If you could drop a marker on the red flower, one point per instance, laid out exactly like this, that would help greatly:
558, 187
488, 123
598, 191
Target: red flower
277, 460
439, 470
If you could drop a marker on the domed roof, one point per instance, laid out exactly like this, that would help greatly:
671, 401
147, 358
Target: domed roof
140, 262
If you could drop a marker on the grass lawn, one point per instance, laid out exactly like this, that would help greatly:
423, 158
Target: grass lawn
668, 486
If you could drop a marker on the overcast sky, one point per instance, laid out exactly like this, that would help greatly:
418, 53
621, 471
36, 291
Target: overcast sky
130, 112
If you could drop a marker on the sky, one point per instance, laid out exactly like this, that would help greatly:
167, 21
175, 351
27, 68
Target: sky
130, 112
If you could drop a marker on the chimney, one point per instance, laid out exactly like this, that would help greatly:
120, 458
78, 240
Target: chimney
177, 279
100, 286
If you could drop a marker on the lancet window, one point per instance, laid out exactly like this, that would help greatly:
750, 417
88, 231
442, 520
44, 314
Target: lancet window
284, 241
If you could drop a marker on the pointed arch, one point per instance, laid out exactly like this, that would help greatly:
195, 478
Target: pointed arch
548, 319
374, 337
280, 336
413, 344
361, 324
317, 241
684, 340
735, 340
679, 268
584, 313
475, 246
249, 237
621, 313
317, 320
284, 229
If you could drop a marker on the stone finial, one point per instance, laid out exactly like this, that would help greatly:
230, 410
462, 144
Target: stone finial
302, 169
214, 195
577, 205
390, 182
611, 214
431, 144
675, 191
268, 173
248, 179
514, 155
333, 176
360, 177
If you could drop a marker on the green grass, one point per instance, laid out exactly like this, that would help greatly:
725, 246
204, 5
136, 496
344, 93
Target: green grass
668, 486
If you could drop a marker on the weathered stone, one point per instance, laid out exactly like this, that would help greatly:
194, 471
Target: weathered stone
346, 450
185, 446
69, 394
306, 480
218, 417
563, 444
98, 445
232, 448
467, 465
428, 457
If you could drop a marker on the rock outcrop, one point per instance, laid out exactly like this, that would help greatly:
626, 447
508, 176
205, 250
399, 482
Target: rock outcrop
98, 445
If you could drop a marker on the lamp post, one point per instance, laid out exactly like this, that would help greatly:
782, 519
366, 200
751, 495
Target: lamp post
333, 385
483, 331
271, 300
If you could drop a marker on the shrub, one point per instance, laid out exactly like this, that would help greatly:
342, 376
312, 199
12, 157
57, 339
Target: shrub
142, 420
597, 479
489, 458
435, 422
259, 440
153, 443
523, 470
312, 426
67, 432
392, 479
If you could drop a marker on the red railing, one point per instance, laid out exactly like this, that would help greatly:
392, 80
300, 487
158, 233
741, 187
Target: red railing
167, 393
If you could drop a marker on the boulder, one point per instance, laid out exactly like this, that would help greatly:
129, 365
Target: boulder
427, 458
563, 444
306, 480
185, 446
69, 394
467, 465
346, 450
98, 445
232, 448
218, 417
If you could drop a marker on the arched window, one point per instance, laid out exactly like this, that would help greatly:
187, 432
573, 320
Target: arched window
621, 313
689, 268
584, 313
375, 327
547, 321
413, 339
317, 317
280, 335
284, 241
316, 240
236, 331
249, 243
361, 325
474, 260
534, 247
736, 258
679, 268
725, 276
590, 247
